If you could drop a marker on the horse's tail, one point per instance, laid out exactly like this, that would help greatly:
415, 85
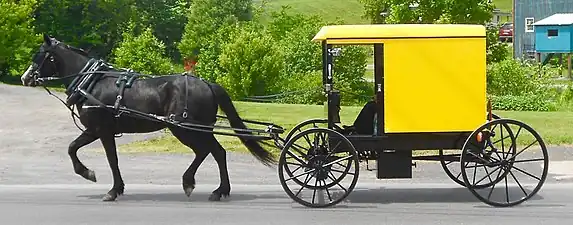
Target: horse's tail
229, 109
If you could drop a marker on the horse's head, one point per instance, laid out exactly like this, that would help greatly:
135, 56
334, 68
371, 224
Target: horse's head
54, 59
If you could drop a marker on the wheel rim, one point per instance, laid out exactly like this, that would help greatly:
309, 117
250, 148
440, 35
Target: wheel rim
514, 181
312, 123
450, 166
301, 126
317, 179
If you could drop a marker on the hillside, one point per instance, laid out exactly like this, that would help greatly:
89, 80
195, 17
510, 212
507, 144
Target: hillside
349, 10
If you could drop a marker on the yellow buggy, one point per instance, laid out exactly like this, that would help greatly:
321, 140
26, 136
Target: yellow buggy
430, 104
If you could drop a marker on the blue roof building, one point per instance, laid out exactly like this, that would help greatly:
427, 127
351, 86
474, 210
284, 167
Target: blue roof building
526, 13
554, 34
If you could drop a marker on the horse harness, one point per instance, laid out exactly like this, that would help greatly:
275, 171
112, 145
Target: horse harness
81, 87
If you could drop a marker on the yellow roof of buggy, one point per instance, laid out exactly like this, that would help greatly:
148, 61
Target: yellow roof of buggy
353, 33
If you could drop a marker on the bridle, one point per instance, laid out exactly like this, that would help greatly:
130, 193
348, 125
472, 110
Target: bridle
37, 80
47, 55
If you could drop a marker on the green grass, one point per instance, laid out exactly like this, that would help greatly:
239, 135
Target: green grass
554, 127
504, 5
350, 11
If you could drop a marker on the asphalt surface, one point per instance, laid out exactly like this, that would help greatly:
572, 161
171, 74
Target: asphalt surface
38, 185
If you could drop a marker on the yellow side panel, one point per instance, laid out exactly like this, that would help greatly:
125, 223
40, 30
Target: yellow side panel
434, 85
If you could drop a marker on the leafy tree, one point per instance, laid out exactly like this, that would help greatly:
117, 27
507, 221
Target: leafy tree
428, 11
17, 36
206, 17
143, 53
251, 63
166, 18
294, 33
89, 24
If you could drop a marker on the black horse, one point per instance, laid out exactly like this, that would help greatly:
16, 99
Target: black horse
188, 98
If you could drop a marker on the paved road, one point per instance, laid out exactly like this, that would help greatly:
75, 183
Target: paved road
38, 186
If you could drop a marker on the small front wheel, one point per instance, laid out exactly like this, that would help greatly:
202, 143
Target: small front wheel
318, 167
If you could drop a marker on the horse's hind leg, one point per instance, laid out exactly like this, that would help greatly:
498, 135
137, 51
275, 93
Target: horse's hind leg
193, 140
79, 168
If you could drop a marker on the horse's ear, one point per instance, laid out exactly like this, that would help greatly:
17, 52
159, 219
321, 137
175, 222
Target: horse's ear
47, 40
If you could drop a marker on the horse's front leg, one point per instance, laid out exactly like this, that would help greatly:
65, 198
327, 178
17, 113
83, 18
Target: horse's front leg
80, 169
108, 142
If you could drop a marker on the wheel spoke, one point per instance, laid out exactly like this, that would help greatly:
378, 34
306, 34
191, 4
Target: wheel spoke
297, 158
519, 184
334, 180
305, 173
513, 157
306, 180
522, 171
488, 175
335, 170
527, 160
338, 160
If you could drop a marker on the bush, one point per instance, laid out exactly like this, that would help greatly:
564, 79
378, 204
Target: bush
143, 53
251, 63
208, 65
514, 85
512, 77
18, 40
495, 51
349, 70
305, 88
522, 103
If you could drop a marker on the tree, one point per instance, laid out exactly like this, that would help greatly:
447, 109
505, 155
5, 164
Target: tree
143, 53
89, 24
428, 11
17, 36
206, 17
166, 18
251, 63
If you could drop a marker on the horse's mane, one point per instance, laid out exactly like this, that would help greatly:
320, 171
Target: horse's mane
78, 50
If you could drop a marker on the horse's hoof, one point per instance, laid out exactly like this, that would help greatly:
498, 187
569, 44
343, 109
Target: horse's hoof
109, 198
215, 197
188, 191
91, 176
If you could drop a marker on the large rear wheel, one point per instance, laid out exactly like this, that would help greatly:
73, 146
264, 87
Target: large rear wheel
451, 162
515, 162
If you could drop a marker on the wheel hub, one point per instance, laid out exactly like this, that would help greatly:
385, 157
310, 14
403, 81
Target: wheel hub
317, 163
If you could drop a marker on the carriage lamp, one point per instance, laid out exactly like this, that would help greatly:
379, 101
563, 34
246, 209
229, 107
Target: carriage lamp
479, 137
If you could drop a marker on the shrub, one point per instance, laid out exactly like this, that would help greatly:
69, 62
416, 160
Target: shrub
143, 53
304, 88
208, 65
511, 77
495, 51
514, 85
349, 70
251, 63
17, 36
522, 103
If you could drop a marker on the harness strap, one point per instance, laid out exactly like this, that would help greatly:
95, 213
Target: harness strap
186, 96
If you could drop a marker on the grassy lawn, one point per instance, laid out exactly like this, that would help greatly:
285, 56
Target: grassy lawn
504, 5
554, 127
350, 11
